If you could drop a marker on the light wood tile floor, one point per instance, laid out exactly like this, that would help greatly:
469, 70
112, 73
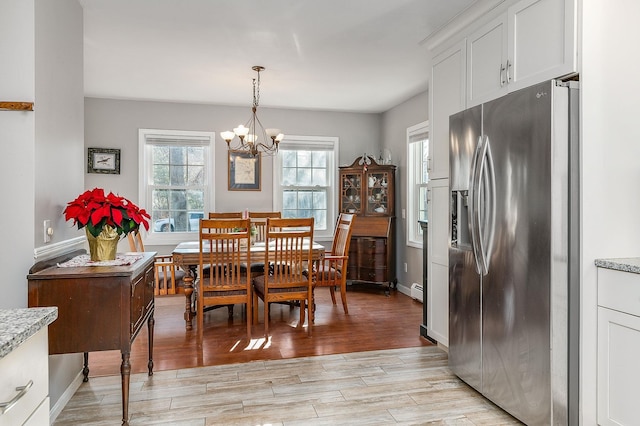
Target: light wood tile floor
398, 386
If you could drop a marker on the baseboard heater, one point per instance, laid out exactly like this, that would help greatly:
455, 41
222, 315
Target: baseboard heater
416, 291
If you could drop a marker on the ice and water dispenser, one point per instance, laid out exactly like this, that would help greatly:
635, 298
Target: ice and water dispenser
460, 235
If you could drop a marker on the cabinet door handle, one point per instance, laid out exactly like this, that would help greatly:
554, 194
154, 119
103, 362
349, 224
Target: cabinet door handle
22, 391
502, 70
508, 71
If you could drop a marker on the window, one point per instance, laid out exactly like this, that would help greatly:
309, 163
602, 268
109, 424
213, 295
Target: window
175, 181
305, 173
418, 176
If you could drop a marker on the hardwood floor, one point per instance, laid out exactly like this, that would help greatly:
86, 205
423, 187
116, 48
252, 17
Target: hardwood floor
372, 368
375, 321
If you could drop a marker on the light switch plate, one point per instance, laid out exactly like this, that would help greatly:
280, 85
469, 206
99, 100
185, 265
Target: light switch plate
47, 234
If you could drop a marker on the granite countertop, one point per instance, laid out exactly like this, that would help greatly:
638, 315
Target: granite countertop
629, 264
17, 325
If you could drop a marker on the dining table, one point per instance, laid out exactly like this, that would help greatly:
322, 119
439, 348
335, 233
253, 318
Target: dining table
186, 255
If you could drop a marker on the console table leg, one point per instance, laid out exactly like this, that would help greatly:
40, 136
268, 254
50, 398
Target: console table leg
150, 325
125, 372
85, 368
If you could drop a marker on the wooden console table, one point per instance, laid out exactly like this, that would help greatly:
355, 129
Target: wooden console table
99, 308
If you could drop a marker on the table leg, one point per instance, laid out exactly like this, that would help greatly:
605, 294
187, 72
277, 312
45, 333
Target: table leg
188, 292
125, 373
150, 325
85, 368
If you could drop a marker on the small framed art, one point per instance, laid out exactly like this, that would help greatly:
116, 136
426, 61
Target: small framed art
244, 171
103, 160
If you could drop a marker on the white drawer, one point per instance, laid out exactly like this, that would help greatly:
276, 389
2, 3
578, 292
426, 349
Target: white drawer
619, 290
28, 362
41, 416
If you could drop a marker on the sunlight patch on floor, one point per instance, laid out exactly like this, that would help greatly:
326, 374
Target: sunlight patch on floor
254, 344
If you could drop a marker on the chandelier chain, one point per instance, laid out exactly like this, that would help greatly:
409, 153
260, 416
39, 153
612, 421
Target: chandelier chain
256, 91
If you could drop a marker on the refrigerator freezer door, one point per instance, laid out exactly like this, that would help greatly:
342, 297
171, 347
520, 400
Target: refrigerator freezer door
465, 350
465, 345
516, 290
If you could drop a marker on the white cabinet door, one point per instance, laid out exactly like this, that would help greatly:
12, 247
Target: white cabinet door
28, 363
541, 41
487, 62
438, 261
447, 91
618, 367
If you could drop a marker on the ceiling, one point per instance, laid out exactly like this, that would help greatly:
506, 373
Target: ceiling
341, 55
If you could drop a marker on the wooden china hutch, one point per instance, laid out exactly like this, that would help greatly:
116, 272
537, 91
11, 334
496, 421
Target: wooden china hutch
367, 189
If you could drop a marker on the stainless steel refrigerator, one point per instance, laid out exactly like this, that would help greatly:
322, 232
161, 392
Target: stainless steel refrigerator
513, 255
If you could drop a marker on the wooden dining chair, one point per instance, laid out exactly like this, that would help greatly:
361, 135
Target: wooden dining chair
225, 215
259, 222
223, 249
289, 253
167, 274
332, 270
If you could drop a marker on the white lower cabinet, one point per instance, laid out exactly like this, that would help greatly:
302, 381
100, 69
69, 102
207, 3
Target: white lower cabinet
438, 261
28, 363
618, 347
40, 416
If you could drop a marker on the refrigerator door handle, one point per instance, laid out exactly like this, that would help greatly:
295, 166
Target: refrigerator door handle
474, 192
486, 206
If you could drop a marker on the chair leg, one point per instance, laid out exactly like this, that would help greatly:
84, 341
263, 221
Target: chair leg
266, 319
343, 294
302, 313
255, 308
249, 309
333, 294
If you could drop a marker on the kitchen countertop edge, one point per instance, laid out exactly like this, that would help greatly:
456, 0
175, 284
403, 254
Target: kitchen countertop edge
629, 264
17, 325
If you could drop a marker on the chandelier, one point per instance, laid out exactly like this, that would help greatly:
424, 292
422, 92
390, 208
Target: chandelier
253, 137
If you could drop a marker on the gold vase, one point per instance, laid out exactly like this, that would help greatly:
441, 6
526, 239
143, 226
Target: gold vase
104, 246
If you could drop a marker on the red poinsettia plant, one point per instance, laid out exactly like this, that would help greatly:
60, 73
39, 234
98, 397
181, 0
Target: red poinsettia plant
96, 211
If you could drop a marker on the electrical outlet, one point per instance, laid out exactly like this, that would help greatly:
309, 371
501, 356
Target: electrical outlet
404, 214
405, 267
48, 231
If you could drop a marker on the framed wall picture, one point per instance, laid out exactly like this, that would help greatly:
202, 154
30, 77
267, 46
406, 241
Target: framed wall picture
244, 171
103, 160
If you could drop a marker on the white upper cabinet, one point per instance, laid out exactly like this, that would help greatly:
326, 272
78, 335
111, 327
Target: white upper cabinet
447, 97
541, 41
531, 42
487, 59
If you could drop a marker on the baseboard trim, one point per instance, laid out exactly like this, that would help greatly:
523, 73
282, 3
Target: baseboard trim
403, 289
56, 249
65, 397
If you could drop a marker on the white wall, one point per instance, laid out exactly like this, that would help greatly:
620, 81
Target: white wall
41, 51
610, 151
17, 138
394, 124
115, 124
59, 154
59, 132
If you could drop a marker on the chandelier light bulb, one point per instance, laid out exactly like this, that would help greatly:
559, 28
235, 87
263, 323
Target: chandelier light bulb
227, 135
241, 131
272, 133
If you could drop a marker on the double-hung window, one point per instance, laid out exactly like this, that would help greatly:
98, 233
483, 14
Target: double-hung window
175, 182
418, 177
305, 173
